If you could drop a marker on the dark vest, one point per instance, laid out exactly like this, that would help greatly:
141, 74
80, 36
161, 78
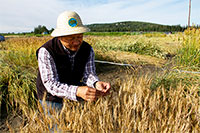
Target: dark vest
63, 66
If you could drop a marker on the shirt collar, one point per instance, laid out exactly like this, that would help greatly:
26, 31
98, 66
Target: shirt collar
68, 51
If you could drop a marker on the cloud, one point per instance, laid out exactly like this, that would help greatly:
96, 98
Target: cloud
28, 14
24, 15
151, 11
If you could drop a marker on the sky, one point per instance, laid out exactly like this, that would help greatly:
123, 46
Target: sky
24, 15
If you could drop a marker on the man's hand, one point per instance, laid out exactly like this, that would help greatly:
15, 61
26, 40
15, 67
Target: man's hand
103, 87
88, 93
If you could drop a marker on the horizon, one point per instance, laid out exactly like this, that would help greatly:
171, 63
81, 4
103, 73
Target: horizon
137, 21
94, 24
21, 16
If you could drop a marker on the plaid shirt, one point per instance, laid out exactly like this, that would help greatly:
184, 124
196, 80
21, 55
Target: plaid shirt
50, 77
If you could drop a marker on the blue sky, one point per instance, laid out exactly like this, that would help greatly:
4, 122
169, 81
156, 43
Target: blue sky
24, 15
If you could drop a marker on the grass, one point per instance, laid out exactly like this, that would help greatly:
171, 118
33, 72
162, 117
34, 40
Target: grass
166, 102
108, 33
134, 44
188, 56
172, 79
18, 73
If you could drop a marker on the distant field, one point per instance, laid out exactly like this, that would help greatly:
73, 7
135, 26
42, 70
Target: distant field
96, 34
148, 97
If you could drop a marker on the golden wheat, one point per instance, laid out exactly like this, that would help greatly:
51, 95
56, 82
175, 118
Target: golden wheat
131, 107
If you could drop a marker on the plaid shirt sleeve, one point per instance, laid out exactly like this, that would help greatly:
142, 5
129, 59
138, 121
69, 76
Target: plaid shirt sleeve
90, 76
50, 78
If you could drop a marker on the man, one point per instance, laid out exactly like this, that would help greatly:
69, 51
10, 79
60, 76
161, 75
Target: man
66, 64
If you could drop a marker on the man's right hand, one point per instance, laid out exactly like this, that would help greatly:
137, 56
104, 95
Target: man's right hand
88, 93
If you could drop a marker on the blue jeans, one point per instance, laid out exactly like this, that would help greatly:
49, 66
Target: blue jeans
53, 105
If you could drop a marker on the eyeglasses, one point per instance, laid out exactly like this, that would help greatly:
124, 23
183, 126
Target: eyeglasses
72, 37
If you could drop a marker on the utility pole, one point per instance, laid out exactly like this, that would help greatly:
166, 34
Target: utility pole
189, 13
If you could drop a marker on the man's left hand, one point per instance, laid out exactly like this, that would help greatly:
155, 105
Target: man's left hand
103, 87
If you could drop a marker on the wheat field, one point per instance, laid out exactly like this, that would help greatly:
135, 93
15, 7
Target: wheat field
160, 102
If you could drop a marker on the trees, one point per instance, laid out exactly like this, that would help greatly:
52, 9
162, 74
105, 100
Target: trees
129, 26
40, 29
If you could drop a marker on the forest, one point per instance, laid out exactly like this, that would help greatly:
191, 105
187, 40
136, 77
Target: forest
134, 26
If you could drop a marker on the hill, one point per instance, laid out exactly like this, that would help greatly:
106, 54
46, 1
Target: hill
132, 26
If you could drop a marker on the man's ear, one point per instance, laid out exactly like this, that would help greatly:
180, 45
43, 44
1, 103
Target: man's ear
59, 38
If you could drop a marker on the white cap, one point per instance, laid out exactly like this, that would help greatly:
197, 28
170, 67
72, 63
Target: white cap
69, 23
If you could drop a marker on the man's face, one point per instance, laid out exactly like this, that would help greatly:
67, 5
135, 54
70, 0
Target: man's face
72, 42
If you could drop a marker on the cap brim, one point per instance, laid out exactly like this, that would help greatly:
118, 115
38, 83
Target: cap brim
76, 30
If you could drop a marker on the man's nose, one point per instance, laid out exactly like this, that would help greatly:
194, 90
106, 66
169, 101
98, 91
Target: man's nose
76, 41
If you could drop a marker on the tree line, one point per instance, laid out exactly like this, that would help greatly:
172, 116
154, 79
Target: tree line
128, 26
132, 26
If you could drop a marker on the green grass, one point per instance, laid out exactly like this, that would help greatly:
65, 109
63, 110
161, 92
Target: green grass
188, 56
108, 33
139, 47
18, 77
171, 79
